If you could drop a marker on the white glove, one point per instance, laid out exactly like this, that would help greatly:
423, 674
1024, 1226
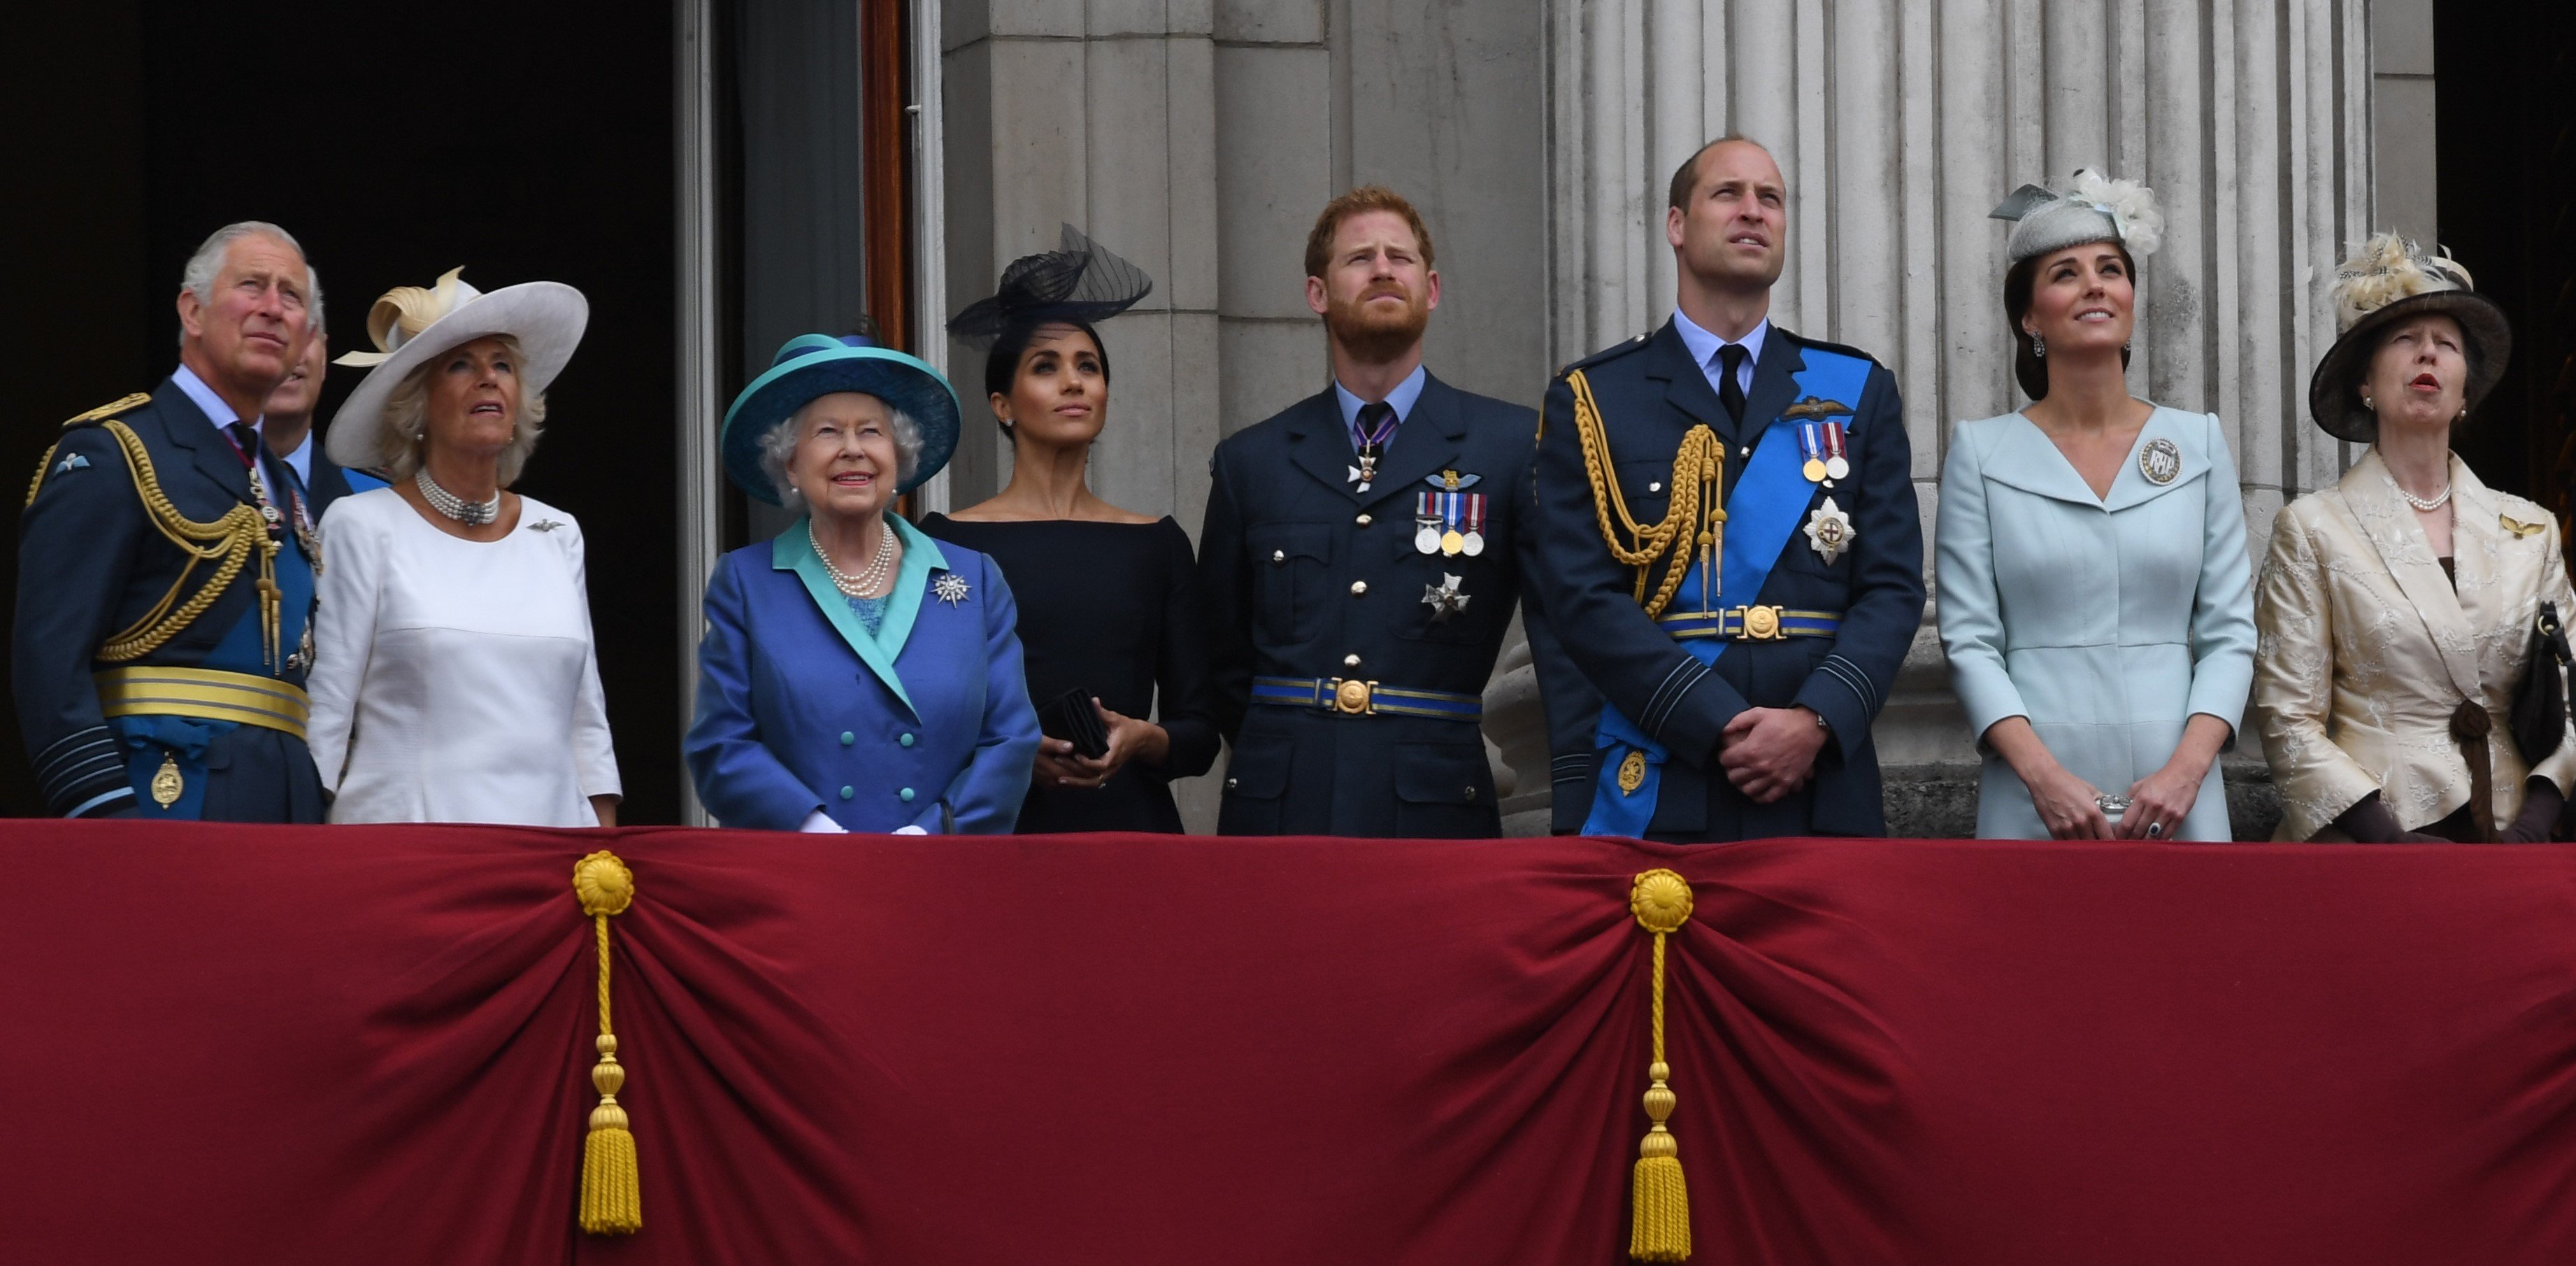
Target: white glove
821, 823
910, 830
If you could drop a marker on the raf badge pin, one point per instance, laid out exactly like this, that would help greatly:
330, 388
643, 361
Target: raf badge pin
1444, 598
1830, 531
2160, 461
949, 588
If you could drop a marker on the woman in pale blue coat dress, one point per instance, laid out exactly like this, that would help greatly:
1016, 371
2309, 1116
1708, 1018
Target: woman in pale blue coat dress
2095, 596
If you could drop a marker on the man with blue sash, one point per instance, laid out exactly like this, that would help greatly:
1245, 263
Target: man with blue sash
165, 572
1734, 558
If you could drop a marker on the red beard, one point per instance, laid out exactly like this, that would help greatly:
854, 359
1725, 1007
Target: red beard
1376, 337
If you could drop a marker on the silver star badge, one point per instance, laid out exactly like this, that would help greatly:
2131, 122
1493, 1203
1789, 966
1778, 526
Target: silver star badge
1830, 531
1444, 598
949, 588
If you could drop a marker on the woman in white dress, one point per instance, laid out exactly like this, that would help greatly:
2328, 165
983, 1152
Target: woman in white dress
2095, 596
455, 677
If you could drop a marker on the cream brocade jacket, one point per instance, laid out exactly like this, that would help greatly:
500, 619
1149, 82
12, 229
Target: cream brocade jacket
2365, 651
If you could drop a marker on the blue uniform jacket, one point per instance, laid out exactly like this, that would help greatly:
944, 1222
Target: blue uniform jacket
1650, 394
1308, 577
91, 564
926, 724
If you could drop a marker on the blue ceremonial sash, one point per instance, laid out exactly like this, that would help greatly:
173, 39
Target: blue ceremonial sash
1762, 515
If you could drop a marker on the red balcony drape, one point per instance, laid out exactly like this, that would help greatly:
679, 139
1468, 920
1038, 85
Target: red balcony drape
286, 1045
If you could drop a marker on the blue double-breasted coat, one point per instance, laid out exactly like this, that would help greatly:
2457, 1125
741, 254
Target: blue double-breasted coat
925, 723
1650, 393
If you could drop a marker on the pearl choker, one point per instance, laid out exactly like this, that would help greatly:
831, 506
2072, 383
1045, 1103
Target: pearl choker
470, 513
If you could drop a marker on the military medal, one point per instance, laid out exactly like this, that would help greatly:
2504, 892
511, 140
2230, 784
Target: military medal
1812, 445
1632, 772
1830, 531
1471, 537
1426, 522
1837, 466
1444, 598
1372, 443
167, 786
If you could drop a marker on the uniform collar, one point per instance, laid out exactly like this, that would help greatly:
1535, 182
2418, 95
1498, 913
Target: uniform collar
218, 413
1703, 345
1403, 398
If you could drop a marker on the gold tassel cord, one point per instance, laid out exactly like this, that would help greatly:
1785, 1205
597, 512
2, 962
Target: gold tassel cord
611, 1193
1660, 1226
1694, 521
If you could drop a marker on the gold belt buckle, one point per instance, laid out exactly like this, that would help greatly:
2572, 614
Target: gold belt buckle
1762, 624
1353, 697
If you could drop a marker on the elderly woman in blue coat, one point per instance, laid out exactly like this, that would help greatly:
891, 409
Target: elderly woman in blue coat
856, 675
2095, 596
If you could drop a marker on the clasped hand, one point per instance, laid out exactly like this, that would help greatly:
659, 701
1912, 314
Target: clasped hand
1769, 752
1058, 765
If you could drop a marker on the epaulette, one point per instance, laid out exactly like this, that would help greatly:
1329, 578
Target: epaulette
102, 413
1612, 352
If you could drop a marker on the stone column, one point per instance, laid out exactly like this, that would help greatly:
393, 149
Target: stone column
1899, 126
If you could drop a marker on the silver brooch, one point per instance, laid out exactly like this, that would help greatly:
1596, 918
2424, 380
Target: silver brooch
1444, 598
545, 525
2160, 461
1830, 531
949, 588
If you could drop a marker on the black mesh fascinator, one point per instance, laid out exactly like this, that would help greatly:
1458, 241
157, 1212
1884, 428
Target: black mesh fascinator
1077, 282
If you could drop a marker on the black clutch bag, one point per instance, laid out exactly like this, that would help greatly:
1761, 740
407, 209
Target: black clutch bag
1070, 716
2540, 698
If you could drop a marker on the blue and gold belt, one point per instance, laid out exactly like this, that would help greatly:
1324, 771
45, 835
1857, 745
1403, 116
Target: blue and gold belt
204, 694
1350, 696
1750, 624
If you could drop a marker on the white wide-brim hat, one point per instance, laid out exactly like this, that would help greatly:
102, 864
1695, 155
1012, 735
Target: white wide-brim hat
411, 325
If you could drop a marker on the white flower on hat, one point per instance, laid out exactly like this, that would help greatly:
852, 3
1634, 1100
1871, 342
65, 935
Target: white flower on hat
2131, 206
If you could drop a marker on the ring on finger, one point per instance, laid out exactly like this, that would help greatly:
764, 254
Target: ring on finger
2155, 830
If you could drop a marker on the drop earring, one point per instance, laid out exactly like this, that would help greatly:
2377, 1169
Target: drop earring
2038, 346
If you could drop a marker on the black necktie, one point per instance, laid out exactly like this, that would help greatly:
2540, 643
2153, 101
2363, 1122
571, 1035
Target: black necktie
1730, 390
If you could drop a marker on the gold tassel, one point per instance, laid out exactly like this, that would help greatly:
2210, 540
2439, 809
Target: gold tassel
612, 1200
1660, 1228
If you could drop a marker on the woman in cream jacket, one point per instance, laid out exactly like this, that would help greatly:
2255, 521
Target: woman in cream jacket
2397, 608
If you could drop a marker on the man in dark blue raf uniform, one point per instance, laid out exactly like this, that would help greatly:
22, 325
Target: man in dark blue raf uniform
1733, 556
1362, 554
165, 572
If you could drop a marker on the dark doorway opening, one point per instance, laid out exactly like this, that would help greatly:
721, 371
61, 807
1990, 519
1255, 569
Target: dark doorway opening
533, 142
2505, 133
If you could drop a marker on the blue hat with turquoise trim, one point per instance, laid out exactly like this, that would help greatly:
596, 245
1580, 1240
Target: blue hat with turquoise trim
812, 365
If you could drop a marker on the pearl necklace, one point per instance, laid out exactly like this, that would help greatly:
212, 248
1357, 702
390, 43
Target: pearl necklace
471, 513
870, 576
2425, 504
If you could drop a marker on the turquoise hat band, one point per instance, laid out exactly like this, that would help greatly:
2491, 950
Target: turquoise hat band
809, 366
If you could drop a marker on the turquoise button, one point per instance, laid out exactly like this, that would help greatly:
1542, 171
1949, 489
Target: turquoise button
906, 740
906, 793
846, 793
848, 738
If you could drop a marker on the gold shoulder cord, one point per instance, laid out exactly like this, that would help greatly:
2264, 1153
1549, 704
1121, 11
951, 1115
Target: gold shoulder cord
228, 542
1698, 469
